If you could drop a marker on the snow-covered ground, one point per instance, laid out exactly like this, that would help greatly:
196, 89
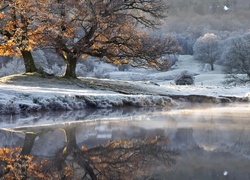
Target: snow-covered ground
32, 93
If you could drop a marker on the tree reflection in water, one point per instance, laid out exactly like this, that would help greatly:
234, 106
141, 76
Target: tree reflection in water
134, 158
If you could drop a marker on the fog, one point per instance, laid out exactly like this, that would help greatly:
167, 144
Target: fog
197, 17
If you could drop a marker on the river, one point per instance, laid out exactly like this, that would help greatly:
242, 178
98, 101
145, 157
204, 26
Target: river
202, 141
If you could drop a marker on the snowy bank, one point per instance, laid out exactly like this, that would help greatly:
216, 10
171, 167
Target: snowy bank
31, 93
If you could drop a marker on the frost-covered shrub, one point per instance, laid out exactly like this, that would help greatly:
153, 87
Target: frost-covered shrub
236, 79
94, 67
85, 67
55, 69
167, 61
185, 78
135, 101
10, 108
60, 103
89, 64
53, 58
81, 70
101, 70
173, 59
99, 73
15, 66
165, 64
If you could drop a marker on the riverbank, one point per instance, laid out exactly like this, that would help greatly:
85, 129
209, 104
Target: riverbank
31, 93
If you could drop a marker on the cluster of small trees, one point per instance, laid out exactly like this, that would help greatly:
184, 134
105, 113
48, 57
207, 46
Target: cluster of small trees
233, 52
110, 30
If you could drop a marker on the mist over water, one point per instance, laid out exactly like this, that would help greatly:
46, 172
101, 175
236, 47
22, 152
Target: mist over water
212, 141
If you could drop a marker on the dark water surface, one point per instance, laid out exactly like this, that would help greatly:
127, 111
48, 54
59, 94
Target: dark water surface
202, 142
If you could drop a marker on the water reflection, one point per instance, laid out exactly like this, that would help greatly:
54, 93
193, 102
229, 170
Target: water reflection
55, 117
142, 154
210, 143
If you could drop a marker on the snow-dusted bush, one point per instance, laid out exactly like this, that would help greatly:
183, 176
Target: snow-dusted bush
89, 63
11, 107
81, 69
15, 66
134, 101
101, 69
59, 103
185, 78
85, 67
94, 67
52, 57
172, 58
55, 69
236, 79
100, 73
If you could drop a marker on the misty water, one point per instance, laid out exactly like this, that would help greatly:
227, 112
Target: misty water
202, 141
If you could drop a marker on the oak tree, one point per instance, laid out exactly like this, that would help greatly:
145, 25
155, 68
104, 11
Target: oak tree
112, 30
19, 30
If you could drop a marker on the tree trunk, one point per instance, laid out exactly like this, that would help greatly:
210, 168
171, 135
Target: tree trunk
71, 146
70, 133
29, 63
70, 71
28, 143
212, 66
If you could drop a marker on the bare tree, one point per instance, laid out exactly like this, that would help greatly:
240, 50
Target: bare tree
237, 56
110, 30
206, 49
